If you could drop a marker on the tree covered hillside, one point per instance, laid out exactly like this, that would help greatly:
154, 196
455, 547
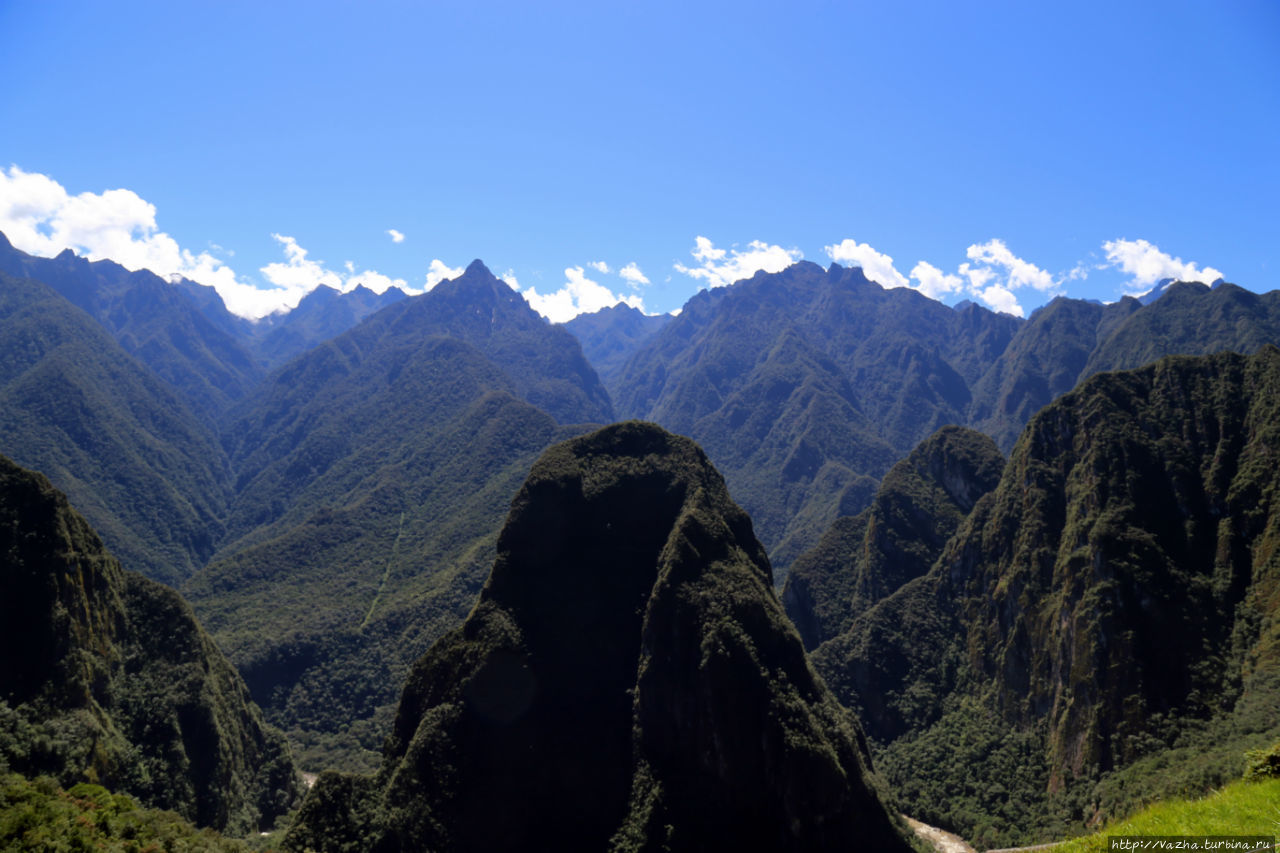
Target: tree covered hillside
1109, 608
119, 441
115, 683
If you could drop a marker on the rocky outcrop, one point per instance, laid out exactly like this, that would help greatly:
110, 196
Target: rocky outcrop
627, 680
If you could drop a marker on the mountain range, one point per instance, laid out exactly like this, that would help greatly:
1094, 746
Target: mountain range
326, 487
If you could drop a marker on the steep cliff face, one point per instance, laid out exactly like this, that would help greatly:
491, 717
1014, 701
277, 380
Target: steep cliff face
864, 558
1112, 600
627, 680
1123, 567
115, 683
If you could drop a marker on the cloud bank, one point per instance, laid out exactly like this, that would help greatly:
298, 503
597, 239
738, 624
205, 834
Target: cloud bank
720, 267
41, 218
578, 295
1148, 265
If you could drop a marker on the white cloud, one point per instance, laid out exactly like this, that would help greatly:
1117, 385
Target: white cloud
633, 276
876, 266
41, 218
299, 275
375, 281
1019, 273
718, 267
298, 272
933, 282
1148, 265
396, 236
439, 271
599, 266
704, 250
578, 295
510, 278
1000, 298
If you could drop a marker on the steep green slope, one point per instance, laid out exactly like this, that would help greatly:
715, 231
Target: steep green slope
130, 454
327, 611
627, 680
806, 384
1103, 626
115, 682
863, 559
742, 368
158, 322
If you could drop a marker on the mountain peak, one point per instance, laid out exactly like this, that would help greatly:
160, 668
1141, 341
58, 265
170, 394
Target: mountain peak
626, 673
477, 267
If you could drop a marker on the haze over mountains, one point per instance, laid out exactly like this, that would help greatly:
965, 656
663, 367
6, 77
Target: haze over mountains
327, 490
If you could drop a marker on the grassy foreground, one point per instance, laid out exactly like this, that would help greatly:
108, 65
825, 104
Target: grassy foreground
1241, 808
37, 815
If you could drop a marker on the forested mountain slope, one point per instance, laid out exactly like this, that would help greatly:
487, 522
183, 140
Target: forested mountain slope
108, 678
1110, 607
208, 363
1070, 340
805, 386
120, 442
626, 681
865, 558
373, 473
322, 314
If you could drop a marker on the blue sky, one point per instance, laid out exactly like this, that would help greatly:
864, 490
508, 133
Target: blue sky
1018, 150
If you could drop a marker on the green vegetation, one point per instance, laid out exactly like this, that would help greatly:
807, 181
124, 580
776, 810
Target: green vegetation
609, 337
1240, 808
125, 448
322, 314
1263, 763
801, 383
373, 475
627, 681
1105, 619
917, 508
182, 333
116, 683
37, 815
805, 385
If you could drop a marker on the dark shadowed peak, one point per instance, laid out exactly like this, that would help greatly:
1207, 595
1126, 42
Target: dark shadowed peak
626, 681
